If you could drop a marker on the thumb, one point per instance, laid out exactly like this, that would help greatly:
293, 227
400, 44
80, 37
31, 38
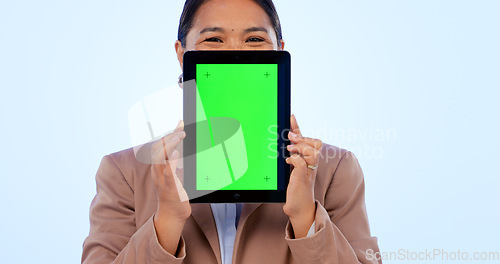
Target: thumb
294, 125
173, 161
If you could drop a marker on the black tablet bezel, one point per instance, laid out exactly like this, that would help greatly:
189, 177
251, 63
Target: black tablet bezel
282, 59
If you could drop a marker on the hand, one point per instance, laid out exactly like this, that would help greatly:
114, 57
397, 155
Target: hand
300, 202
172, 198
173, 202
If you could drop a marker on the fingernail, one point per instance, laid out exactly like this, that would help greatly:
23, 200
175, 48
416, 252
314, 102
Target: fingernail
292, 134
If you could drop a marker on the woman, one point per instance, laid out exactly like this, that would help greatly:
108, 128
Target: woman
140, 213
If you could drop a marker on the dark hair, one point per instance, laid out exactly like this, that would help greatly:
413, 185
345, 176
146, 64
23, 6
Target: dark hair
192, 6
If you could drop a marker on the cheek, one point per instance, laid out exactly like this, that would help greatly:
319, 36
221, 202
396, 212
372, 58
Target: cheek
276, 43
190, 46
205, 47
263, 47
190, 42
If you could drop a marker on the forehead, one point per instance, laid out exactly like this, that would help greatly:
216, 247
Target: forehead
231, 14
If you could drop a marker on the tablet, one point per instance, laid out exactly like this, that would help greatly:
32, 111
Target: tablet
237, 116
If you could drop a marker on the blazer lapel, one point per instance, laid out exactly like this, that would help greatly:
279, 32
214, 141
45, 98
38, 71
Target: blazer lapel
202, 214
247, 210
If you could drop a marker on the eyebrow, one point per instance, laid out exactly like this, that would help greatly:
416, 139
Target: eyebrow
254, 29
219, 29
211, 29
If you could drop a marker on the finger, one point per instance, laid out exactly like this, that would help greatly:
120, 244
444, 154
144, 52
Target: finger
294, 125
181, 192
173, 161
303, 148
179, 130
157, 171
309, 153
154, 174
163, 173
159, 152
296, 138
180, 126
165, 154
180, 148
162, 149
310, 160
300, 165
158, 143
180, 174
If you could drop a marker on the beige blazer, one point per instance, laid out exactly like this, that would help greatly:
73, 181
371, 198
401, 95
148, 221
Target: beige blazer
122, 229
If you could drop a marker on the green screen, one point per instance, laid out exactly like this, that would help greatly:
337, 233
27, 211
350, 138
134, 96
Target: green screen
236, 121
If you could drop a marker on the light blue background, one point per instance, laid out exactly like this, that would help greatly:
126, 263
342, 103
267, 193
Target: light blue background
426, 72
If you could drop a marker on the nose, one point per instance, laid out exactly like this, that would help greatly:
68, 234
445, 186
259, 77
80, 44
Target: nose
233, 44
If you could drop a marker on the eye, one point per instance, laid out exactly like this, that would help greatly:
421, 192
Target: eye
255, 39
213, 39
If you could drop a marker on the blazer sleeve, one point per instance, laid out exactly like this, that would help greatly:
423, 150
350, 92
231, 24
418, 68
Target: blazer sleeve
342, 229
113, 236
